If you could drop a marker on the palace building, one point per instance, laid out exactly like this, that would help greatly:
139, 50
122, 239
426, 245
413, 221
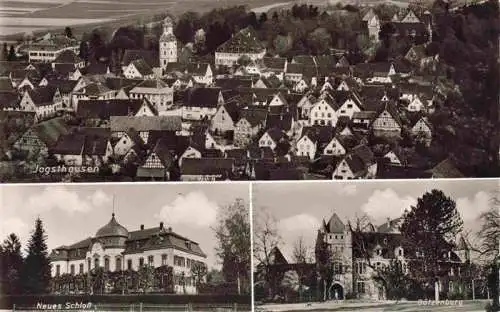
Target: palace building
357, 255
116, 250
244, 43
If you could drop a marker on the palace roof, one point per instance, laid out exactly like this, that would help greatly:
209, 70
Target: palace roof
245, 41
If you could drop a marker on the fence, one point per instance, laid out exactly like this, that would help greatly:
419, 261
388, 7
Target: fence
140, 307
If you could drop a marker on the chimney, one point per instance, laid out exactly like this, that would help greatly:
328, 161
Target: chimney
389, 221
161, 225
142, 227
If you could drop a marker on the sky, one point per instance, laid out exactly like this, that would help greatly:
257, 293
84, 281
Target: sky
74, 212
299, 208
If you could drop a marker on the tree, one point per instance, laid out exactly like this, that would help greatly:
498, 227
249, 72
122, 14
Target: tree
290, 283
184, 30
5, 51
11, 262
84, 51
12, 54
301, 256
199, 271
490, 229
319, 41
429, 230
266, 238
35, 277
146, 278
233, 244
68, 32
244, 60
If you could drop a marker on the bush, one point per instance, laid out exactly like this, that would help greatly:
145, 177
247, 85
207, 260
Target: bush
491, 308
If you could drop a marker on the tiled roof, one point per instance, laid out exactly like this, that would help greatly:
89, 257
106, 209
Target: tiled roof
64, 86
119, 83
42, 95
9, 100
275, 63
207, 166
202, 97
149, 56
335, 225
70, 144
142, 67
446, 169
254, 116
145, 123
50, 130
68, 57
104, 109
233, 83
245, 41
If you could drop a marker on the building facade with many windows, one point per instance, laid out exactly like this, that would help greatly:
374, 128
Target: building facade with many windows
114, 249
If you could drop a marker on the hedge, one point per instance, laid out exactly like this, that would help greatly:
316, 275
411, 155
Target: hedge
7, 302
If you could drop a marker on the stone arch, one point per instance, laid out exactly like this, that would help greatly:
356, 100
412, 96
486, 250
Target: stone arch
336, 291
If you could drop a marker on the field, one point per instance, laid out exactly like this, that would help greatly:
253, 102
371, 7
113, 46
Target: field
20, 16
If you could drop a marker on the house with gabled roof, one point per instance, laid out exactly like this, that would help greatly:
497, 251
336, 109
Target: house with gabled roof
251, 121
304, 105
307, 145
243, 43
271, 138
207, 169
90, 91
387, 122
423, 130
225, 118
138, 69
359, 163
157, 92
348, 102
44, 101
446, 169
69, 149
144, 125
42, 136
323, 112
201, 103
158, 163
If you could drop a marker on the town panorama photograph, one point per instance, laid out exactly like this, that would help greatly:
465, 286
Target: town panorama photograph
376, 246
99, 91
123, 247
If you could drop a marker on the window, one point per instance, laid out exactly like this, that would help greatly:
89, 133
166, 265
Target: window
81, 268
163, 259
118, 265
151, 260
72, 269
349, 105
89, 264
450, 286
106, 264
58, 270
129, 264
361, 287
141, 261
96, 263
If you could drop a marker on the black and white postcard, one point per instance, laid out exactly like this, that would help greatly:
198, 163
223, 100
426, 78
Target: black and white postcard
125, 248
376, 246
108, 90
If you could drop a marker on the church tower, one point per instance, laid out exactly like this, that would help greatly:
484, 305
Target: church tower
168, 44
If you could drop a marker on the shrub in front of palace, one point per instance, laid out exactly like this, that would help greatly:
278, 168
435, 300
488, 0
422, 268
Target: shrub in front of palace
146, 280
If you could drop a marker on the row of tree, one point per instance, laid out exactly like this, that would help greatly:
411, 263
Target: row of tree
25, 275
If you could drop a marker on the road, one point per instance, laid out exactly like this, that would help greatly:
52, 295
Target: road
345, 306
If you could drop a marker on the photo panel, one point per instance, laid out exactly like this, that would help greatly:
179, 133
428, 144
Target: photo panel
376, 245
206, 90
125, 247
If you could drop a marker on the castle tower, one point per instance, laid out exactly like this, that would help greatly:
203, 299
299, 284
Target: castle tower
339, 240
168, 44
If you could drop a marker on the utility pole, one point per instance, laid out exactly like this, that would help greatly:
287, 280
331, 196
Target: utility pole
473, 290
